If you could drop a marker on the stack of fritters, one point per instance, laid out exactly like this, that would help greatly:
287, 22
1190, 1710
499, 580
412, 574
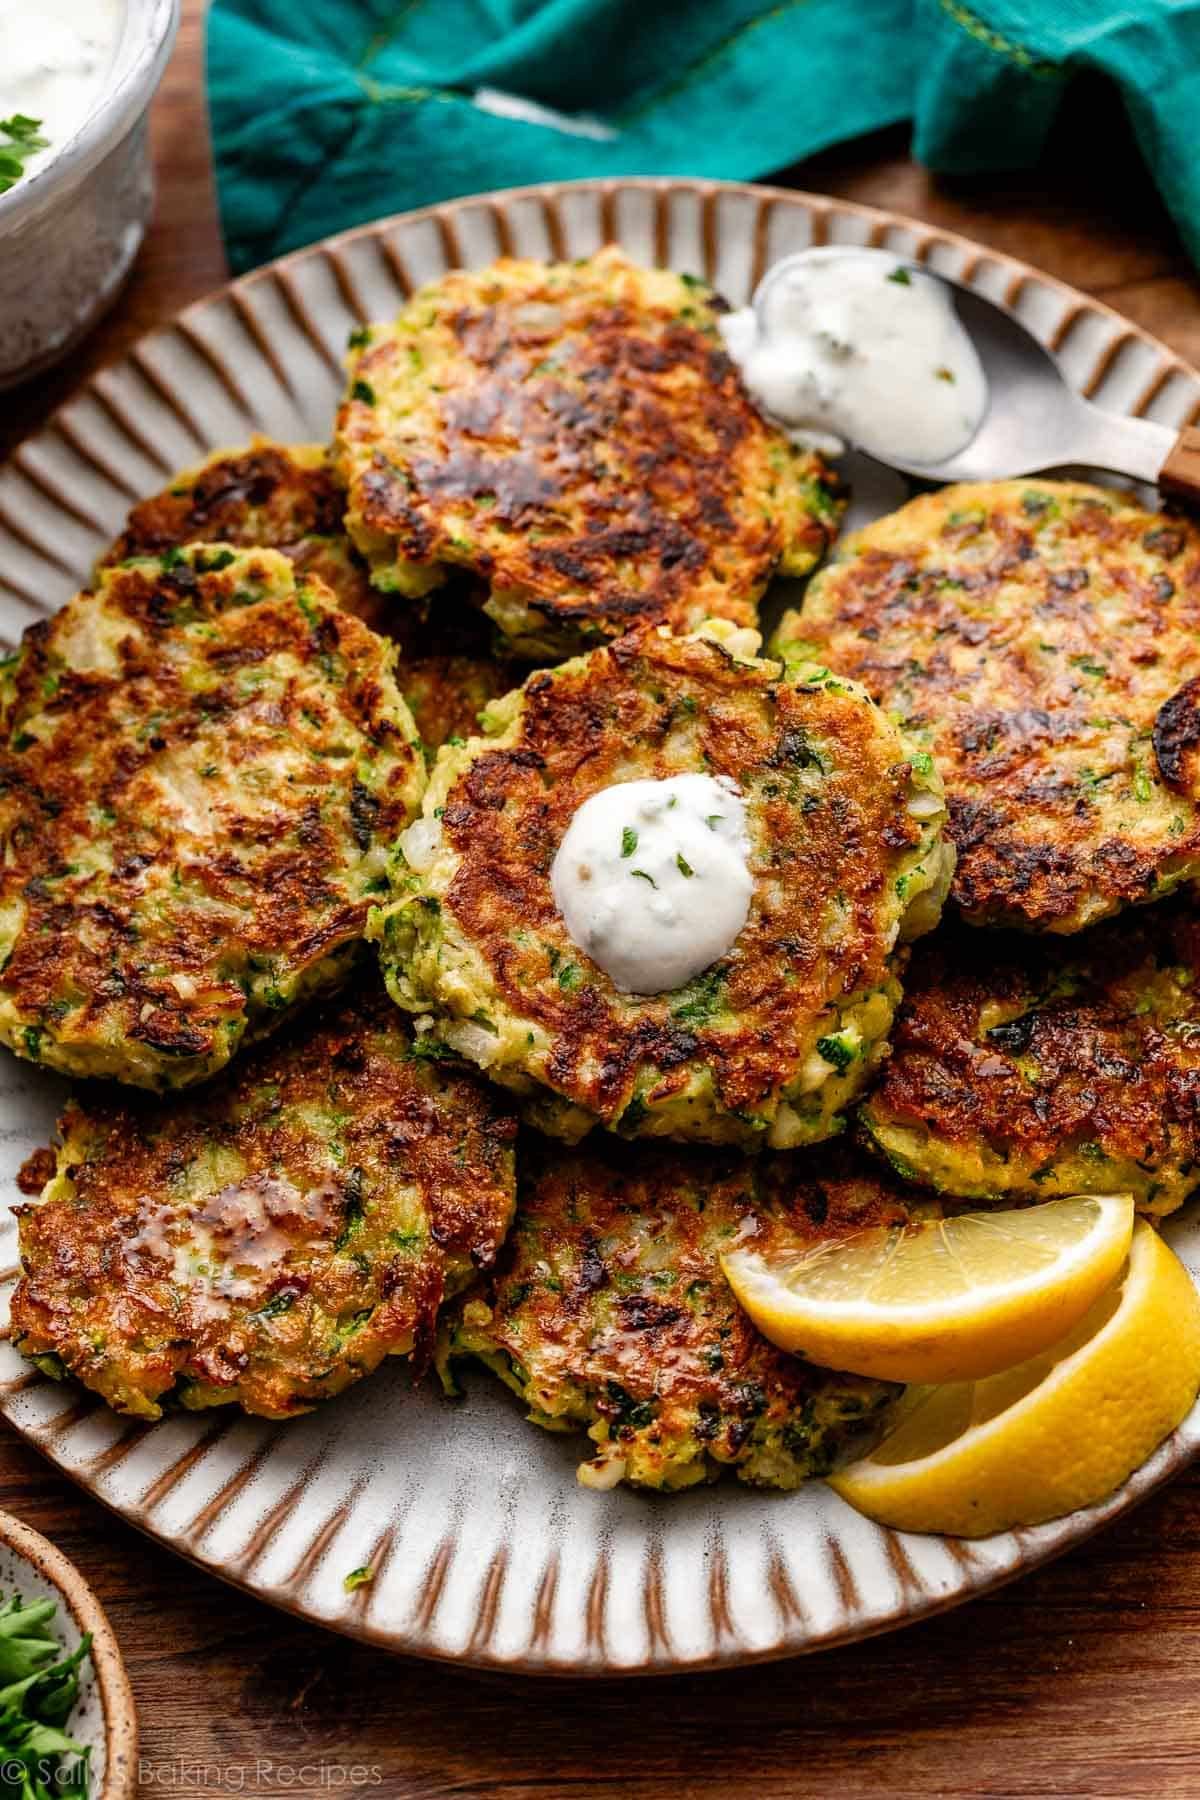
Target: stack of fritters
1042, 641
284, 497
214, 804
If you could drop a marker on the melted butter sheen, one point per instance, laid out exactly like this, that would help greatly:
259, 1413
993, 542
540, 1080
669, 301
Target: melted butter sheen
652, 879
54, 58
840, 349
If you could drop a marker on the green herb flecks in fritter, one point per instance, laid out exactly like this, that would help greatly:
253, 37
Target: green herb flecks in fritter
1024, 1068
608, 1311
284, 497
1041, 640
203, 766
270, 1240
772, 1041
576, 436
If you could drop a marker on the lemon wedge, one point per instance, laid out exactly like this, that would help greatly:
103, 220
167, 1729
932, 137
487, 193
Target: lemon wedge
1061, 1431
937, 1300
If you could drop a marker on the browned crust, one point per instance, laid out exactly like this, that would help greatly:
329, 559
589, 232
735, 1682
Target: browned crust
329, 1127
1176, 737
608, 468
285, 497
1044, 1055
268, 496
1035, 632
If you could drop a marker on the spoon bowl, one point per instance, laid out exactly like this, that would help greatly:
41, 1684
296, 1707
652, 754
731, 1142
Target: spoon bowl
1034, 419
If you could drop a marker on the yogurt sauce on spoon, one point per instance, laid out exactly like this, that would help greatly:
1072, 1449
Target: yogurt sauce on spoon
652, 879
852, 346
54, 58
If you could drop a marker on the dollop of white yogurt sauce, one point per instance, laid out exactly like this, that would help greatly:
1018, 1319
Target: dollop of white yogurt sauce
54, 58
652, 878
843, 349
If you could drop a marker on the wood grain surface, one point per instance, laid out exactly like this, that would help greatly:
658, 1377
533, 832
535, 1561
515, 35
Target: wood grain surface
1078, 1681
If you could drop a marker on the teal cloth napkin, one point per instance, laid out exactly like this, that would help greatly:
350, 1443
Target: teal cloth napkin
329, 112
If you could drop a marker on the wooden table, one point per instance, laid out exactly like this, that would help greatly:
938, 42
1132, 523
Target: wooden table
1077, 1681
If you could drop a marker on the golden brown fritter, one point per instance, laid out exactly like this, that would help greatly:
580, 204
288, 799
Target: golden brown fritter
203, 767
268, 1241
266, 497
1024, 1068
576, 435
608, 1310
1042, 640
284, 497
771, 1042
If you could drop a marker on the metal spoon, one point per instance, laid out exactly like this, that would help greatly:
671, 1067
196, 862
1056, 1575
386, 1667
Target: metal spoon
1034, 419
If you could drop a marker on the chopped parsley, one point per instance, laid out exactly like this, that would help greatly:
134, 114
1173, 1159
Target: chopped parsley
901, 277
629, 841
362, 390
20, 138
40, 1684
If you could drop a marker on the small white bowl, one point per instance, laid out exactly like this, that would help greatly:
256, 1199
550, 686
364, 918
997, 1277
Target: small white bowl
69, 231
104, 1718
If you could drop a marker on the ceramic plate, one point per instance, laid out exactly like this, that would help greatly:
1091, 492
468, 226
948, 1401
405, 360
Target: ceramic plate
483, 1547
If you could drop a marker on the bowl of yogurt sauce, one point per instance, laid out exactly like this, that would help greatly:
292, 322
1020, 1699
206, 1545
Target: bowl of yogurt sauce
76, 81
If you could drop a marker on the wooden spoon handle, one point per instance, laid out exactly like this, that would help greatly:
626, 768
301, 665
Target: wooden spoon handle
1179, 477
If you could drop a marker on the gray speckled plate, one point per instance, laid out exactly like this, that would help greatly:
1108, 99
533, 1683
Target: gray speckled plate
483, 1547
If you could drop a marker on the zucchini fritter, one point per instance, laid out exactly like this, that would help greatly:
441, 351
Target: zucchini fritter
771, 1042
203, 765
1024, 1068
269, 1241
284, 497
609, 1310
266, 497
1042, 640
576, 435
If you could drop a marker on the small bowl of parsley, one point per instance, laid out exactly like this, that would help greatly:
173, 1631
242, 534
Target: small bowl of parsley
68, 1730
